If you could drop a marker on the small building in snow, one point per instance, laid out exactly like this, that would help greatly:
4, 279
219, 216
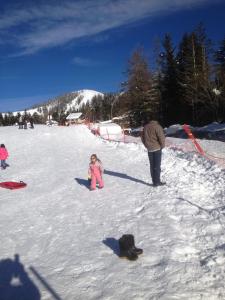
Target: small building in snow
74, 118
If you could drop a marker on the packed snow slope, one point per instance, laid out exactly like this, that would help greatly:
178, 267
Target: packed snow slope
66, 236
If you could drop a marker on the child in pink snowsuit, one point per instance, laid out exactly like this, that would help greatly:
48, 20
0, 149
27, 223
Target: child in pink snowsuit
95, 172
3, 156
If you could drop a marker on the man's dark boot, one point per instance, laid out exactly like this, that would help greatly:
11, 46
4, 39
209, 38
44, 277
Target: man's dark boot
134, 248
126, 244
159, 183
138, 251
127, 247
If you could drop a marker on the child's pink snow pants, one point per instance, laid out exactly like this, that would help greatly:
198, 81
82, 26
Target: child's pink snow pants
96, 177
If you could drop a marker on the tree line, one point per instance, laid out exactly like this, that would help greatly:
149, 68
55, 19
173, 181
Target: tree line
186, 85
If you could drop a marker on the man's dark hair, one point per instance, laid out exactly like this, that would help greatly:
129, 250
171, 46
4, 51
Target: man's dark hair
149, 117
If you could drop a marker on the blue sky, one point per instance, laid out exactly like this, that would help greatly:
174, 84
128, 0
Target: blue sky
48, 48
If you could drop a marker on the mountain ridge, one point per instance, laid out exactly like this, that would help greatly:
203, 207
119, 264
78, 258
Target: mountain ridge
72, 101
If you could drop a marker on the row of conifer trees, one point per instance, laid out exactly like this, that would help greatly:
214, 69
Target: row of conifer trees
187, 85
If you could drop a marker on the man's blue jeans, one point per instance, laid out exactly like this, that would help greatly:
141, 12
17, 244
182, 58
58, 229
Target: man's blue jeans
3, 163
155, 165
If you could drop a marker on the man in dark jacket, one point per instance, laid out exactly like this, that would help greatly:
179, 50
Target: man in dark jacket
154, 140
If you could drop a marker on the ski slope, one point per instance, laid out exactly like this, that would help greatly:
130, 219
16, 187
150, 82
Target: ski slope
65, 235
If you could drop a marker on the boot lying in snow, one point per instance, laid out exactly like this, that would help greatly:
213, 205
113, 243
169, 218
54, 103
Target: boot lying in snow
129, 254
138, 251
128, 248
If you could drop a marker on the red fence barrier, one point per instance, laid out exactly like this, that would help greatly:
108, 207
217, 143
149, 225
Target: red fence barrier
191, 136
185, 146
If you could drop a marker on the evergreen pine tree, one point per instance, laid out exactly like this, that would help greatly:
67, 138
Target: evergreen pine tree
37, 118
6, 120
109, 106
1, 120
193, 76
171, 105
137, 89
219, 89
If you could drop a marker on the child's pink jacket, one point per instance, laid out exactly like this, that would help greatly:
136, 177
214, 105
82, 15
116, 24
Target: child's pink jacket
3, 153
95, 172
95, 169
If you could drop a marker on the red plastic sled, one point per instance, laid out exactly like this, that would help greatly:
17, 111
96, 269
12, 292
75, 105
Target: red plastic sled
11, 185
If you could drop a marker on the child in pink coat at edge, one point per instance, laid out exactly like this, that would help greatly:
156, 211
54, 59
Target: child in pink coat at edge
95, 172
3, 156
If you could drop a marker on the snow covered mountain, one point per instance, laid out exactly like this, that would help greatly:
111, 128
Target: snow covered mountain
82, 97
67, 102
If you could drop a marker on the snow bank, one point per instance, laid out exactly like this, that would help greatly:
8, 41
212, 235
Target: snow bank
109, 131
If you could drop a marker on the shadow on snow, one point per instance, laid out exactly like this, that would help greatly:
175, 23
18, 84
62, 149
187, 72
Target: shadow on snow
15, 284
113, 244
84, 182
125, 176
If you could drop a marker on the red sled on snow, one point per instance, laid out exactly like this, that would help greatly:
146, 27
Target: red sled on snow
11, 185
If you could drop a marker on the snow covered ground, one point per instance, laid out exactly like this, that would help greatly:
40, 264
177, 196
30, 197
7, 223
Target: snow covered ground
66, 236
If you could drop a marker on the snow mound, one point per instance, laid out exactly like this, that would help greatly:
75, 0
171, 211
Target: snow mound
109, 130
